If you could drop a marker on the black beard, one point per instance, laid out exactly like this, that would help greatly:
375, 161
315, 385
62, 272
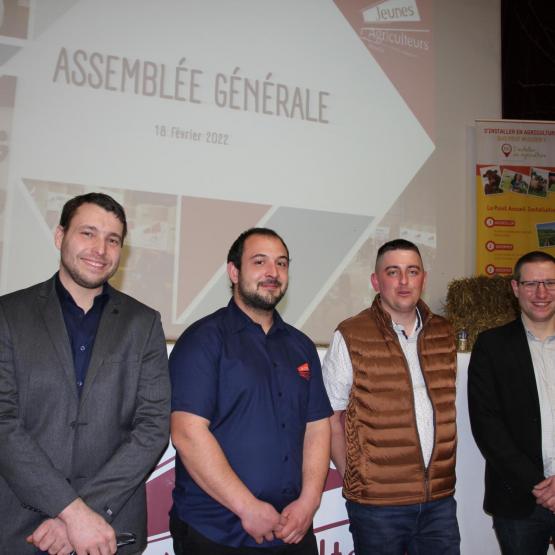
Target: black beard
257, 301
81, 281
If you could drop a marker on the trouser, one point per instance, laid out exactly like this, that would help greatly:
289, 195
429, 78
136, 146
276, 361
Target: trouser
421, 529
525, 536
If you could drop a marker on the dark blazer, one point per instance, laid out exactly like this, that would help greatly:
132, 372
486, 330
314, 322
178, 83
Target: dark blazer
505, 418
55, 446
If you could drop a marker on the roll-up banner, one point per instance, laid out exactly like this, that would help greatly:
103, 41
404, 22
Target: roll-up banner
515, 192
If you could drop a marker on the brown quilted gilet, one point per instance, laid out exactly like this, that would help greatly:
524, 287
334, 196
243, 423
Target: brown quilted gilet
384, 459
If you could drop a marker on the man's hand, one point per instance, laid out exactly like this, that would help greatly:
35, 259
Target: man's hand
338, 448
296, 519
259, 520
545, 493
51, 536
87, 531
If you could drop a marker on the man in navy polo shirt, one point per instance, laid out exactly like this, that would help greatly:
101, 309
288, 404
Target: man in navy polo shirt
250, 418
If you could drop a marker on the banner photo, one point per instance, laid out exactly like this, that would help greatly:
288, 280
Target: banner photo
515, 192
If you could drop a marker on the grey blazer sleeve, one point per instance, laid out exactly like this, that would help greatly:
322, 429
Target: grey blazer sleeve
110, 488
23, 464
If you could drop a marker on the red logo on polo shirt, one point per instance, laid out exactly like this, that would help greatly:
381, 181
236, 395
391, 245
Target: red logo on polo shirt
304, 371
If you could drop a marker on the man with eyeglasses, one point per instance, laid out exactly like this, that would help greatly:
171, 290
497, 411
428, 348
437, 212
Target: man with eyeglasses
511, 399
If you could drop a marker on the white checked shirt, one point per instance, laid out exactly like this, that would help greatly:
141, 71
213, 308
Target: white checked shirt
337, 370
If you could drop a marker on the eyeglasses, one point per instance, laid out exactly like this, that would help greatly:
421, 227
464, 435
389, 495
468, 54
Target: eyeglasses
531, 286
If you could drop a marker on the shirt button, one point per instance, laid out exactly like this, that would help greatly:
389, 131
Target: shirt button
283, 425
286, 458
82, 348
279, 394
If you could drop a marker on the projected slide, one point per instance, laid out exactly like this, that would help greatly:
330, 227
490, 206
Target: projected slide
207, 117
204, 118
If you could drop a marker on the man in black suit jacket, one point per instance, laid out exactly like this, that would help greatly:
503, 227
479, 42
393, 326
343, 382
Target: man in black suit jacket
511, 399
84, 397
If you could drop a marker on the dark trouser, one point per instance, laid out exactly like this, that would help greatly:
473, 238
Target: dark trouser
525, 536
421, 529
187, 541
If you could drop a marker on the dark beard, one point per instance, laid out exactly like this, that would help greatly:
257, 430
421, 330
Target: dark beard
82, 281
257, 301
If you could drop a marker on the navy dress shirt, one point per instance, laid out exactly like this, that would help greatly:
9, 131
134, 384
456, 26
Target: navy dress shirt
258, 391
81, 328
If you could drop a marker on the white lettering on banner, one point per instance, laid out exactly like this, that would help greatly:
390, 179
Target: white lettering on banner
392, 11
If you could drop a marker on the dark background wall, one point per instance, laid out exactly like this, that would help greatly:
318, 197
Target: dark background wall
528, 59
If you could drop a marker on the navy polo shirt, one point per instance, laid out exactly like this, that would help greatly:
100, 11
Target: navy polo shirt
258, 391
81, 328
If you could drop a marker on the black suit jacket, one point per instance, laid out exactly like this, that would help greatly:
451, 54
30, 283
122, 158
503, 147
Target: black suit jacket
505, 418
55, 445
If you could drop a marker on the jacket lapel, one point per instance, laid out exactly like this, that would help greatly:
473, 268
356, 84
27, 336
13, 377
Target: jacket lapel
106, 339
54, 322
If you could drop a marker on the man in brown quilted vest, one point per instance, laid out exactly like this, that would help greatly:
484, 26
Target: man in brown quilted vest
390, 375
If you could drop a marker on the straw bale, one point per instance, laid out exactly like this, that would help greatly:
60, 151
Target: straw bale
479, 303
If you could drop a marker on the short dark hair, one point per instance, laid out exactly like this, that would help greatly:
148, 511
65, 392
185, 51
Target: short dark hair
236, 251
100, 199
397, 245
533, 256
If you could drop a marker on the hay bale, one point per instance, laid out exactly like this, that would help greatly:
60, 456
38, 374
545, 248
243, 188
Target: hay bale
479, 303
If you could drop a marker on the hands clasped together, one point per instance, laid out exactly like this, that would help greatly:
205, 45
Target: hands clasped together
77, 528
261, 521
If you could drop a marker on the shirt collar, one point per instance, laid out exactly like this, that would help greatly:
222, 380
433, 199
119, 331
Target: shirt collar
238, 320
530, 334
65, 296
399, 328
